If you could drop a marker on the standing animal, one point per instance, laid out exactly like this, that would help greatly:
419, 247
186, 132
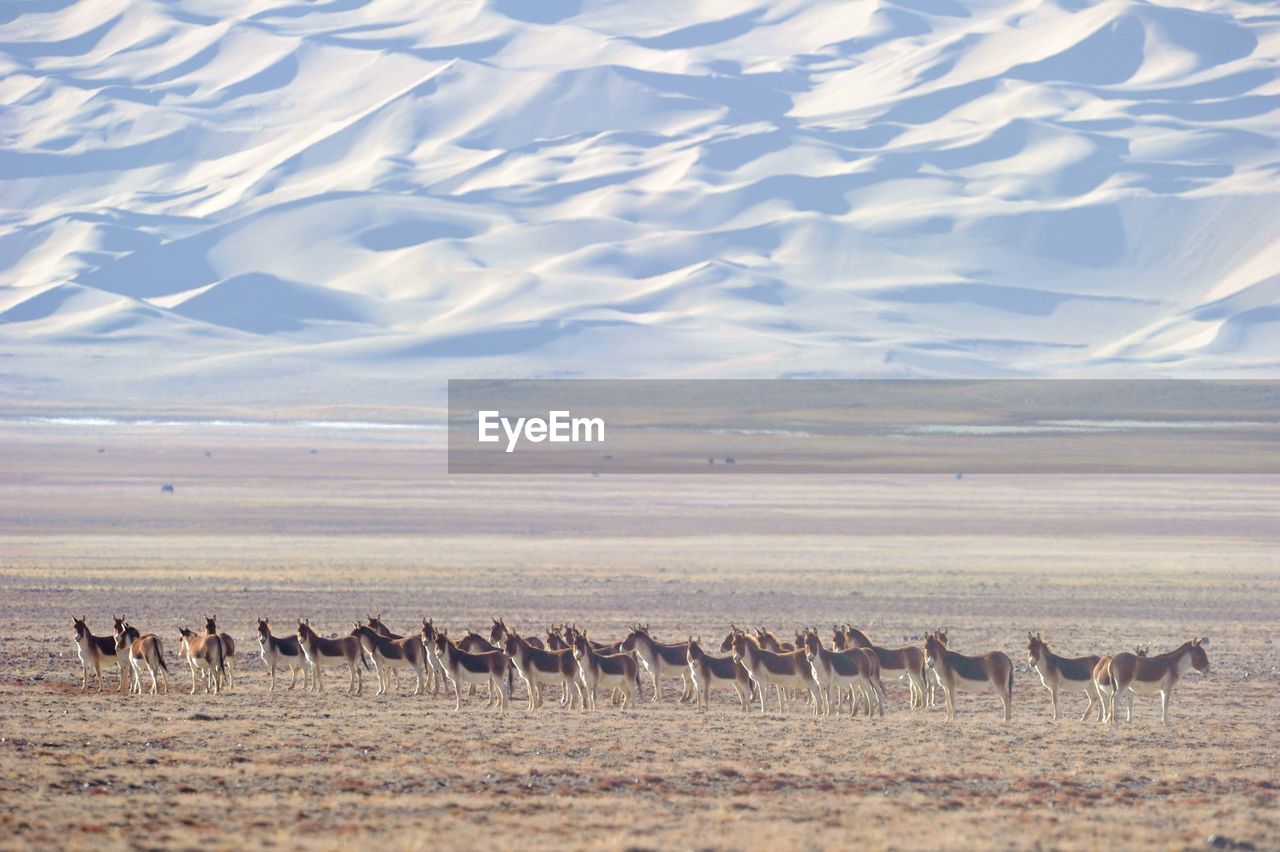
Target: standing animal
539, 668
95, 651
707, 671
1155, 675
990, 672
498, 635
228, 648
781, 670
143, 652
435, 668
771, 641
473, 643
344, 652
854, 669
898, 663
610, 671
375, 622
1063, 674
461, 667
658, 659
205, 656
281, 651
391, 654
1103, 684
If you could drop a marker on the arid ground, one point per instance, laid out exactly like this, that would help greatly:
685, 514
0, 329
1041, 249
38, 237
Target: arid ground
286, 523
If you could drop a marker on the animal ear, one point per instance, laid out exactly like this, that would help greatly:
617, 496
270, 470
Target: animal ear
1204, 640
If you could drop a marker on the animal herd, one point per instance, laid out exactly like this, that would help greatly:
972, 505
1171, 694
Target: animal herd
850, 670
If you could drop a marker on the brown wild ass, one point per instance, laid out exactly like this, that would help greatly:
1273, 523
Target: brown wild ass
539, 668
473, 643
660, 658
95, 651
392, 654
435, 669
228, 648
204, 654
491, 667
610, 671
498, 635
854, 669
898, 663
1155, 675
781, 670
281, 651
375, 622
990, 672
708, 671
143, 651
345, 652
1063, 674
1102, 683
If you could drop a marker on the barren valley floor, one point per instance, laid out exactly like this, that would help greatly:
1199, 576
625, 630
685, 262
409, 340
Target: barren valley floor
260, 525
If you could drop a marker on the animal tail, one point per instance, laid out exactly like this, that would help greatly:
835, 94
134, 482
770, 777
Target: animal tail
511, 678
363, 658
1010, 681
160, 655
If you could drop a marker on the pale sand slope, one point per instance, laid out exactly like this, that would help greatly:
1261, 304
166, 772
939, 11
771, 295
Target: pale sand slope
276, 201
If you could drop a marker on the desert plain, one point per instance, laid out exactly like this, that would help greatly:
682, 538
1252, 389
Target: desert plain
299, 520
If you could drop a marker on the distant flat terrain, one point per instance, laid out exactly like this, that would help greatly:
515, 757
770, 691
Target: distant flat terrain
260, 525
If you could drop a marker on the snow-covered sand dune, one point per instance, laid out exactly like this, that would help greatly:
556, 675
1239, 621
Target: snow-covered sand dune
351, 200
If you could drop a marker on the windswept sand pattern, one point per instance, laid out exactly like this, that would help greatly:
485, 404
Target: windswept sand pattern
334, 191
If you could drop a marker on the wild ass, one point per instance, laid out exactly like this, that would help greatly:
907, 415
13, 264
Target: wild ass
771, 641
707, 671
854, 669
205, 655
142, 651
660, 658
611, 671
538, 667
1155, 675
375, 623
95, 651
228, 648
435, 668
498, 635
460, 666
782, 670
391, 654
1102, 683
1063, 674
344, 652
281, 651
898, 663
473, 643
990, 672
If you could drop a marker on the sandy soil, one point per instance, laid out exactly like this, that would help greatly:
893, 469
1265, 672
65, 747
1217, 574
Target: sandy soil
263, 526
